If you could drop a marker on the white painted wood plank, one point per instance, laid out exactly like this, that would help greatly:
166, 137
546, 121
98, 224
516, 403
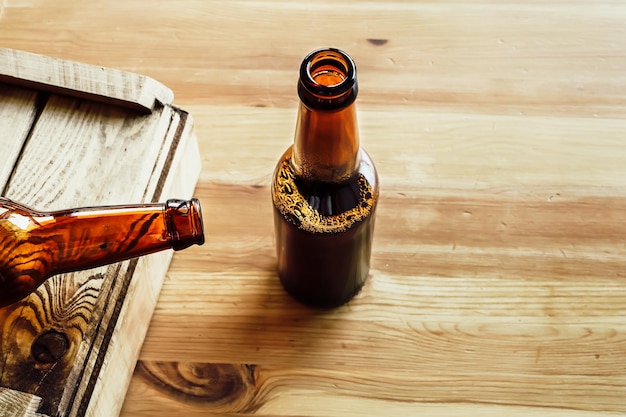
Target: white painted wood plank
17, 113
77, 79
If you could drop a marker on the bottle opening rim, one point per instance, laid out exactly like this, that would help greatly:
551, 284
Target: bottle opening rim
328, 72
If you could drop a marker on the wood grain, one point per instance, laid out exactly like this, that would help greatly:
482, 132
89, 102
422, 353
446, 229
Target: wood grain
80, 80
18, 110
19, 404
497, 284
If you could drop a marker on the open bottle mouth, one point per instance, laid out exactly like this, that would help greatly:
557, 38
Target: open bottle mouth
198, 223
327, 79
185, 223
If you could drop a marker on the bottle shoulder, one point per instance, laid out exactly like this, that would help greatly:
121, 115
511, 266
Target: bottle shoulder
365, 168
324, 206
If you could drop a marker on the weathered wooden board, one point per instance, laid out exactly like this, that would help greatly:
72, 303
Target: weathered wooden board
74, 343
107, 85
18, 108
19, 404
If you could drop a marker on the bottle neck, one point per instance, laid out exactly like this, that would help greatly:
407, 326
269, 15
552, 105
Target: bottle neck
117, 233
326, 144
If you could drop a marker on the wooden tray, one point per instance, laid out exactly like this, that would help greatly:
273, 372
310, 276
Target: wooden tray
79, 135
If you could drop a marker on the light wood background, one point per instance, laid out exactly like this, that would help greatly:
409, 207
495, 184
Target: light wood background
498, 282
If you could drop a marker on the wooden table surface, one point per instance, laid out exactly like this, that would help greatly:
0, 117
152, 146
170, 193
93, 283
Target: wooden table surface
498, 281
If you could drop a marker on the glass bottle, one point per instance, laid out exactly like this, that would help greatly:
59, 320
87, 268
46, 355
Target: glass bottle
36, 245
325, 188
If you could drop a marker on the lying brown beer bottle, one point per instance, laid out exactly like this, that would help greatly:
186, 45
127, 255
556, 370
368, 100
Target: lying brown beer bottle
36, 245
325, 189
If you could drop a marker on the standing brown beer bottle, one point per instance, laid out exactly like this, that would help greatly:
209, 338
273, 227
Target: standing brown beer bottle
325, 189
36, 245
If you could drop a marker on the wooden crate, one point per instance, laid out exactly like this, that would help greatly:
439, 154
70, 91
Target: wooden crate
79, 135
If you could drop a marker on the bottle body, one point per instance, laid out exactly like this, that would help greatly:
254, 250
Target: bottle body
36, 245
325, 189
324, 233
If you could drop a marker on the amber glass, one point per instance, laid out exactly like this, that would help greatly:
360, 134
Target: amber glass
325, 189
36, 245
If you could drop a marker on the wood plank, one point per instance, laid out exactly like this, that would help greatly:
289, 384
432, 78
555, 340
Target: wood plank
80, 80
18, 108
506, 58
18, 404
452, 152
115, 154
244, 390
104, 156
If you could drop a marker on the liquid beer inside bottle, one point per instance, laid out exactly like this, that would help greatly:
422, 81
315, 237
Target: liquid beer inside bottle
325, 189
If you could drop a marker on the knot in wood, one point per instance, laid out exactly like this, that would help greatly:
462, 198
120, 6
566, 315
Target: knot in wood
49, 347
217, 387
